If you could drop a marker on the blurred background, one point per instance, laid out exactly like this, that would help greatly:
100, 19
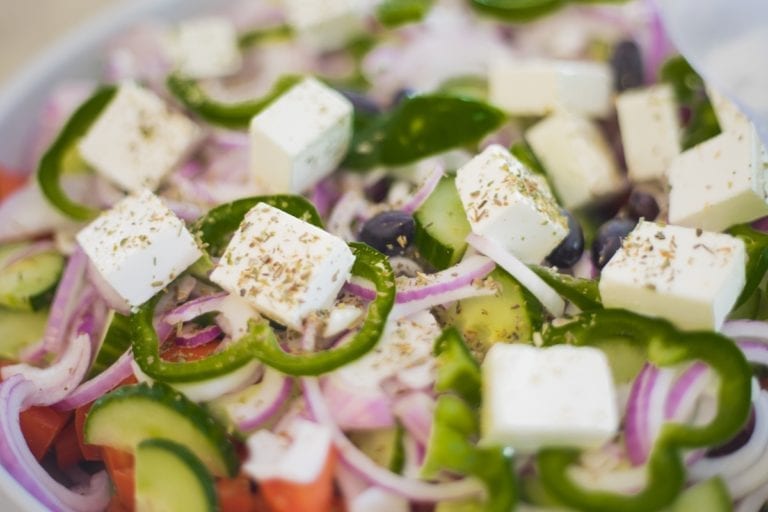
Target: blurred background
29, 26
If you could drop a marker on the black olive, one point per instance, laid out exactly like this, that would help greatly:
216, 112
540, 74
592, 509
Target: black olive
608, 240
388, 232
377, 191
627, 64
642, 205
361, 103
402, 95
569, 251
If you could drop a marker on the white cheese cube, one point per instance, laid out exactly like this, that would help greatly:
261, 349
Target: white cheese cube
284, 267
205, 48
540, 87
729, 116
507, 203
720, 182
577, 158
300, 138
325, 25
137, 140
650, 130
539, 397
138, 247
688, 276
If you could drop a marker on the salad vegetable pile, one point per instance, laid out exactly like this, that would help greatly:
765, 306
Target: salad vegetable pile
388, 256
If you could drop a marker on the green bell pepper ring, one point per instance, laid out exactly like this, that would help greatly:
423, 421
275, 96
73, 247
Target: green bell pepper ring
666, 346
216, 228
756, 244
369, 264
457, 370
146, 351
50, 167
583, 293
455, 428
227, 115
254, 37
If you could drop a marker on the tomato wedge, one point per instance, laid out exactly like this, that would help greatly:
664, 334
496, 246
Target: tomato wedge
66, 447
120, 468
10, 182
41, 426
317, 496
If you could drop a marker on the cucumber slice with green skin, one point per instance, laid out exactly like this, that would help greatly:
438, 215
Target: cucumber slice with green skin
19, 329
129, 415
708, 496
115, 341
384, 446
29, 283
442, 226
170, 478
509, 316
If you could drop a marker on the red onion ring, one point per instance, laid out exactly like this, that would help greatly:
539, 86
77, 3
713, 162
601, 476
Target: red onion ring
18, 460
548, 297
356, 407
683, 395
26, 252
645, 411
421, 194
64, 301
56, 382
415, 412
263, 401
194, 308
344, 213
101, 384
407, 309
199, 337
360, 464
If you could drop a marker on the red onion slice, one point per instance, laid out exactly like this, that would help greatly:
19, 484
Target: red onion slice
101, 384
361, 464
421, 194
415, 412
746, 329
343, 215
406, 309
194, 308
198, 337
250, 408
355, 406
17, 459
64, 301
462, 274
548, 297
645, 411
56, 382
754, 472
685, 392
26, 252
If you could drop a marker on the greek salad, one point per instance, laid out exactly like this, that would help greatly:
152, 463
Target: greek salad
406, 255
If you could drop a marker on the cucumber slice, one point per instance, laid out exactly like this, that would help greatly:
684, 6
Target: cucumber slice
129, 415
114, 342
625, 359
28, 284
510, 316
384, 446
708, 496
170, 478
19, 329
442, 226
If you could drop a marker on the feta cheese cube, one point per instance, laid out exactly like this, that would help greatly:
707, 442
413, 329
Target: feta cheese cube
300, 138
325, 25
205, 48
577, 158
539, 397
284, 267
139, 247
507, 203
688, 276
720, 182
540, 87
137, 140
650, 131
729, 116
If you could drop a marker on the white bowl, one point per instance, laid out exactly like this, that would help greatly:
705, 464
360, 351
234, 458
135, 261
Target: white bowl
76, 56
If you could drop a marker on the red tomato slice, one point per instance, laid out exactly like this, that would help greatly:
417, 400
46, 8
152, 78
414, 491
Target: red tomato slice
41, 426
317, 496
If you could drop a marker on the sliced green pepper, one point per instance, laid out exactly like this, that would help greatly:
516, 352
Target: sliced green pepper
146, 351
665, 346
756, 244
457, 369
228, 115
392, 13
50, 168
216, 227
254, 37
526, 10
583, 293
421, 126
369, 264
